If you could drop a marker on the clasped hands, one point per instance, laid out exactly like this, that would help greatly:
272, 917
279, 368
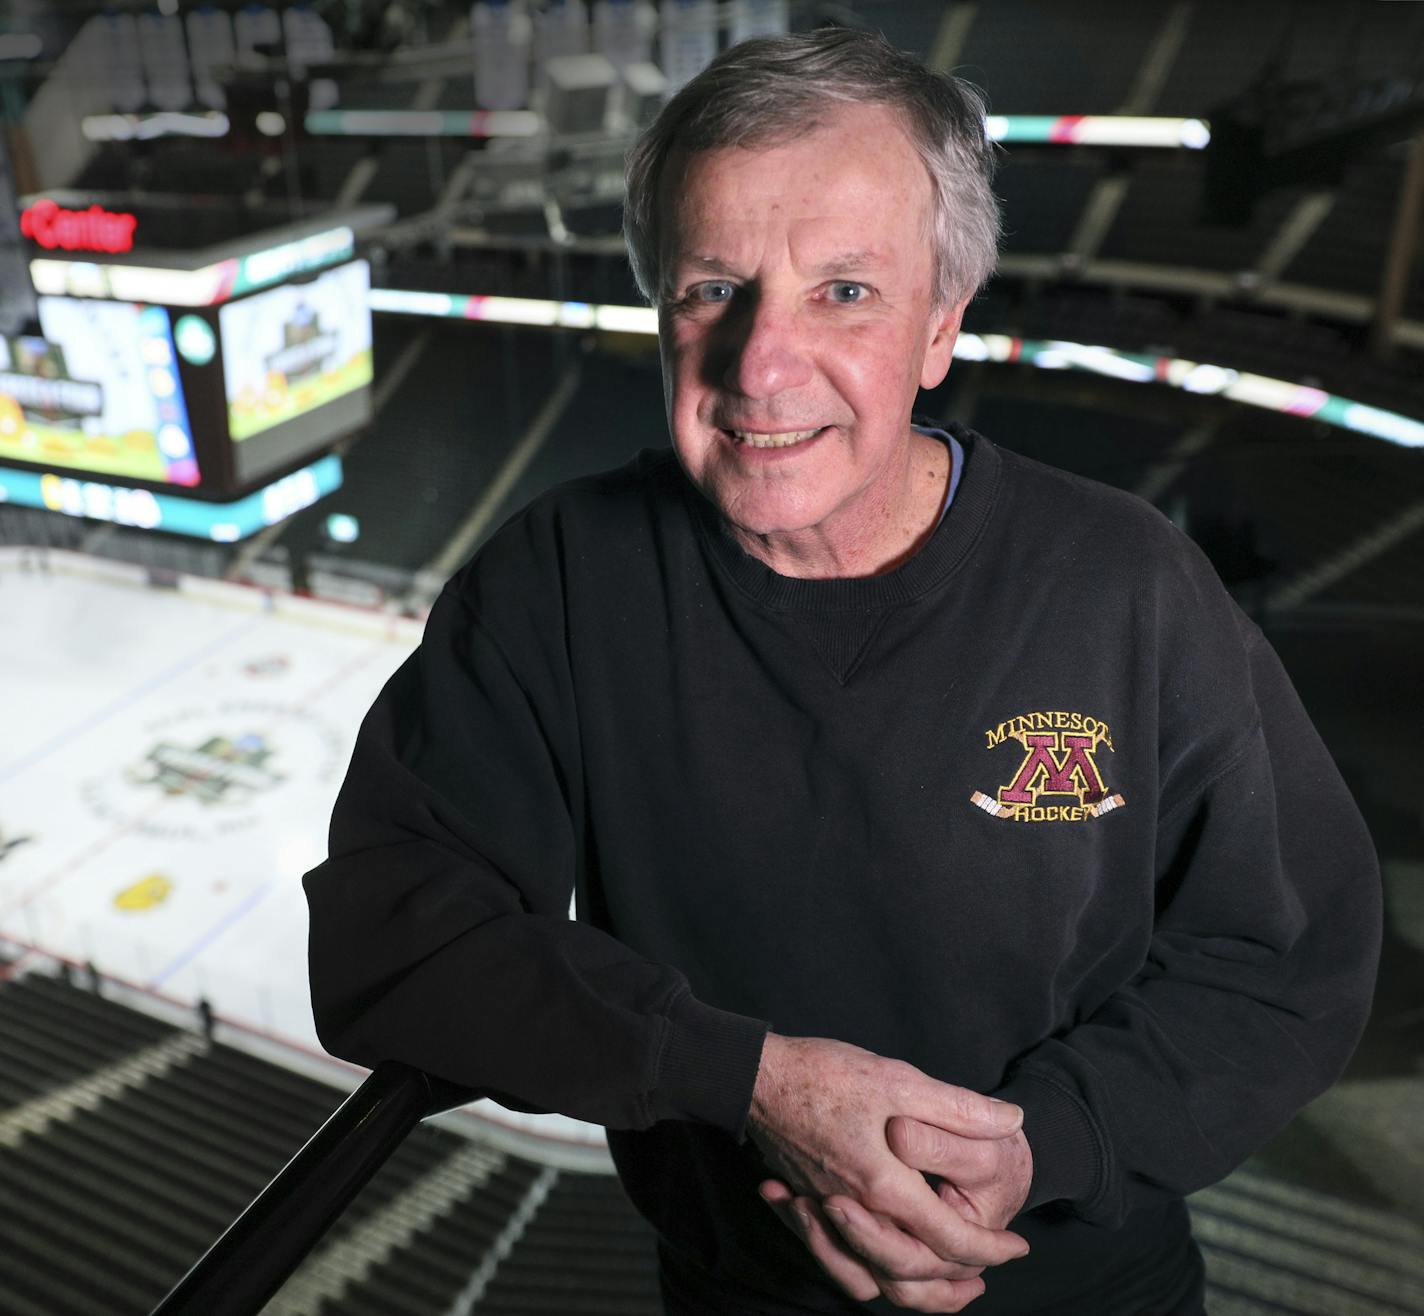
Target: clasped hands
853, 1136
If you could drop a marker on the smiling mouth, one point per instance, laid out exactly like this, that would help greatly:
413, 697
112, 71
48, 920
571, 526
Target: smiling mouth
785, 439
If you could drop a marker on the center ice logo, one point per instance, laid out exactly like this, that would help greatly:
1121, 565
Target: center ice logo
1059, 761
217, 771
214, 772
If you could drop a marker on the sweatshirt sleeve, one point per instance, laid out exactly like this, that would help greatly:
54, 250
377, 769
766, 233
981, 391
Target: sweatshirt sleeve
440, 932
1256, 985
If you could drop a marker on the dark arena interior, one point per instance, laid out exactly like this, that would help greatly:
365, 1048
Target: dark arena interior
1210, 294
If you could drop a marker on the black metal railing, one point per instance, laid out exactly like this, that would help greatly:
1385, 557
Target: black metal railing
269, 1240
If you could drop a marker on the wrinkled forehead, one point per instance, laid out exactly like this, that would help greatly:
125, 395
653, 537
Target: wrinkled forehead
855, 165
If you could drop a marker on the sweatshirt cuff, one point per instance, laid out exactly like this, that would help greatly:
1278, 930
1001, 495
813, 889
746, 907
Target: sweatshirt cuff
1067, 1151
709, 1066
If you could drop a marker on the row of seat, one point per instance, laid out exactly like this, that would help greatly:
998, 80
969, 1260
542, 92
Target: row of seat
51, 1035
109, 1205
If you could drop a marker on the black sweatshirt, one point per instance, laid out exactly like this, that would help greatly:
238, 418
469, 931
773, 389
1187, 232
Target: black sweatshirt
1037, 812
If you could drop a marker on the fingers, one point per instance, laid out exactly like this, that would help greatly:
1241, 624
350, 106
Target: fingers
804, 1219
986, 1180
937, 1151
913, 1205
886, 1248
942, 1293
808, 1221
935, 1295
775, 1193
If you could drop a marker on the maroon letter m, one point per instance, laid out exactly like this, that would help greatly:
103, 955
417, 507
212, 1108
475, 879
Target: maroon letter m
1057, 776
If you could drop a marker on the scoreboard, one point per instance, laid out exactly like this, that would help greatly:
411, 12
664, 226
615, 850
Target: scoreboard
161, 380
296, 365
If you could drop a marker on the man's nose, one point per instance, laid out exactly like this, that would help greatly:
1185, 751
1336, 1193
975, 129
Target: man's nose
768, 353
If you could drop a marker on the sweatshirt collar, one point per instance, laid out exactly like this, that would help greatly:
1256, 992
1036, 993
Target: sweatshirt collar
945, 551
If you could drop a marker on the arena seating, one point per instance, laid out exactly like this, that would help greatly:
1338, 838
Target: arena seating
50, 1035
128, 1144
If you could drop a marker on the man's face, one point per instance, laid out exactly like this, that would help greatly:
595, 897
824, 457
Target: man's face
796, 326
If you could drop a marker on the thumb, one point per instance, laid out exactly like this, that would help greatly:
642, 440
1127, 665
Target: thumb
963, 1111
953, 1157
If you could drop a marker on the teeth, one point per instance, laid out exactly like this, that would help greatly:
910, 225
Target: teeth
774, 440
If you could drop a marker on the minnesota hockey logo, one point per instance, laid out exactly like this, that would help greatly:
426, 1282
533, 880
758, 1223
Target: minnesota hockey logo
1057, 778
217, 771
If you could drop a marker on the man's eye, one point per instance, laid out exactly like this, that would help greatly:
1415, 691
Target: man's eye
715, 290
846, 293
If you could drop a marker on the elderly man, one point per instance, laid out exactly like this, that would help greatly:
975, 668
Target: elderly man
950, 853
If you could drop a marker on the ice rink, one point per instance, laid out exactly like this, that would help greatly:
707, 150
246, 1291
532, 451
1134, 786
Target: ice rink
169, 757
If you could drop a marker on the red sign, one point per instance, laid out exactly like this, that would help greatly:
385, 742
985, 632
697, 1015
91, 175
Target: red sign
94, 229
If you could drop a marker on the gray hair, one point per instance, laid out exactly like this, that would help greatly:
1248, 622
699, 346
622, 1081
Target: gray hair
772, 89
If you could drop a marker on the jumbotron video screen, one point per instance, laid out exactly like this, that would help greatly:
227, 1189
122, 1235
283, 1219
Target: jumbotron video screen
99, 391
290, 354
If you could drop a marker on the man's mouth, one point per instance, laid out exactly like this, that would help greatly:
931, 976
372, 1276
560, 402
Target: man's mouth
782, 439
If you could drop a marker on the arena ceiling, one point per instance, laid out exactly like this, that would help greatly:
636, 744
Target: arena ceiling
1288, 247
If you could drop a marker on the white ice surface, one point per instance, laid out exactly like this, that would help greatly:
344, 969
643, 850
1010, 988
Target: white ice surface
97, 670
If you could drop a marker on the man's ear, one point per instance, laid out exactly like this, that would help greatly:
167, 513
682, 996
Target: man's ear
944, 329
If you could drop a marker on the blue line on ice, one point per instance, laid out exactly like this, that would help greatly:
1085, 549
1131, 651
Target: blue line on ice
212, 934
90, 720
